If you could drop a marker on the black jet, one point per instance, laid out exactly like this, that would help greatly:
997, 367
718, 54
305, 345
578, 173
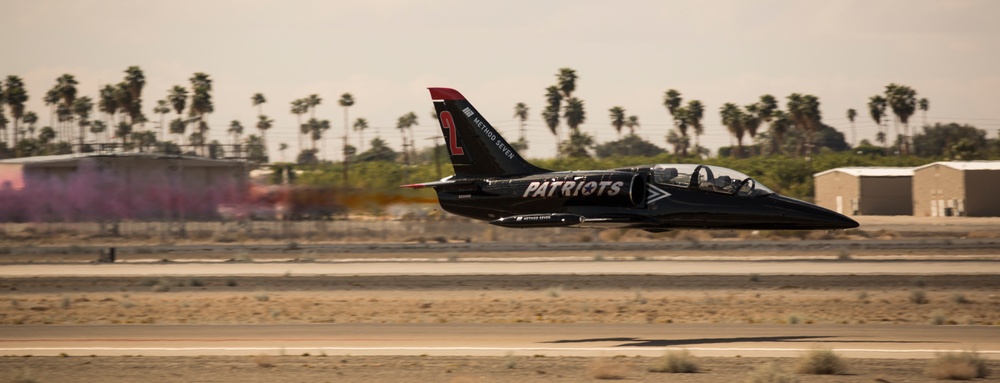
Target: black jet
493, 183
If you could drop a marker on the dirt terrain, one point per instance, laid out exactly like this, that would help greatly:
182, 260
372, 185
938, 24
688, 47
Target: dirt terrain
789, 299
799, 300
418, 369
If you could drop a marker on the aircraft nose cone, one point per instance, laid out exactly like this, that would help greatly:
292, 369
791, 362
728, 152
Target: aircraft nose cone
807, 216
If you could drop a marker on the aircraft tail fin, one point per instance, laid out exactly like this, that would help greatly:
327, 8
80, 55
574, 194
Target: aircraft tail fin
475, 147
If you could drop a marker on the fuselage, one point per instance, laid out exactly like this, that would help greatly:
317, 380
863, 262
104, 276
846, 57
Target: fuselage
633, 198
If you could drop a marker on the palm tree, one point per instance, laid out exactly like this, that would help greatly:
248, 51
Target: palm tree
804, 113
30, 118
123, 130
258, 100
632, 123
108, 104
551, 112
235, 129
177, 98
178, 126
695, 113
733, 118
672, 101
316, 129
924, 105
567, 82
405, 122
15, 96
255, 149
851, 115
360, 125
751, 122
876, 109
98, 127
521, 113
680, 142
346, 100
3, 124
281, 148
162, 108
299, 107
617, 115
779, 126
134, 82
311, 103
574, 113
51, 100
263, 124
46, 135
201, 103
3, 118
82, 108
903, 102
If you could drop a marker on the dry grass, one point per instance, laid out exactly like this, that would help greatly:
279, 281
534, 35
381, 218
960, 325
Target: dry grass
770, 373
821, 362
607, 370
263, 361
957, 366
676, 362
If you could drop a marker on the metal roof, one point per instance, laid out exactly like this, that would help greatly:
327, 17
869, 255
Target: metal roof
871, 171
69, 158
966, 165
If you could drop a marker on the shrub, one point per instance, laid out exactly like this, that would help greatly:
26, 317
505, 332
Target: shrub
918, 297
821, 362
957, 366
676, 362
263, 361
602, 369
959, 298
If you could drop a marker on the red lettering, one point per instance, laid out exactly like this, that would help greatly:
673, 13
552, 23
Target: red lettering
449, 124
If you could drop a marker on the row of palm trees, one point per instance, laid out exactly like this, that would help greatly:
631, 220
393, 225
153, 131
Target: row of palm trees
903, 102
120, 108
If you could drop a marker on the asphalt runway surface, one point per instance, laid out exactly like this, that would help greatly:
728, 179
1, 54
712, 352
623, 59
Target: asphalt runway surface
857, 341
596, 340
520, 267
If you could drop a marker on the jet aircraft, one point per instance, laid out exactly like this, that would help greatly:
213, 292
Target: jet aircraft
492, 182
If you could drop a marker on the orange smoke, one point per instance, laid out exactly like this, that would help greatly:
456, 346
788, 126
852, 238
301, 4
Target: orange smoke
311, 201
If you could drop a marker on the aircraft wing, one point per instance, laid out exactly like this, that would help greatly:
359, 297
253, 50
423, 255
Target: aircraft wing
449, 181
561, 220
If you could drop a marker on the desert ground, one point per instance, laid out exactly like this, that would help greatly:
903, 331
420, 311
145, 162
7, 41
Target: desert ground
882, 299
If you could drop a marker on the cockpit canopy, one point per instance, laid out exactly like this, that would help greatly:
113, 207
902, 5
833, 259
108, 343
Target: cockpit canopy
709, 178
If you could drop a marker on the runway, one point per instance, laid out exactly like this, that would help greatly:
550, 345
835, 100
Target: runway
729, 340
518, 267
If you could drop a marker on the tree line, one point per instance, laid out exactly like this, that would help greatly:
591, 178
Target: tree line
762, 127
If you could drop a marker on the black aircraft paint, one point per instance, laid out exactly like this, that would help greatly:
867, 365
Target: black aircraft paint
492, 182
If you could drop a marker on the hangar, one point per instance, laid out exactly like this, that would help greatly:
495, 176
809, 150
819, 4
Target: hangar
80, 187
953, 188
866, 190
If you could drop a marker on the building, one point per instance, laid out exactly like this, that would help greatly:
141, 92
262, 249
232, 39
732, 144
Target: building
952, 188
866, 190
79, 187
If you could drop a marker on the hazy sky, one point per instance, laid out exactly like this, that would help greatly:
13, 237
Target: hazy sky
499, 53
